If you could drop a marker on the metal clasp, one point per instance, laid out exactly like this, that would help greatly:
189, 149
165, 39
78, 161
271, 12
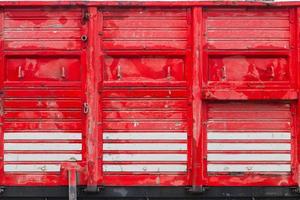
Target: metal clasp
85, 108
169, 72
20, 72
63, 73
119, 75
224, 73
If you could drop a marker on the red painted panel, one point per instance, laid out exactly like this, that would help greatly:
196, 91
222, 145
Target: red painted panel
43, 78
242, 68
247, 28
43, 69
260, 123
147, 75
148, 28
42, 28
144, 69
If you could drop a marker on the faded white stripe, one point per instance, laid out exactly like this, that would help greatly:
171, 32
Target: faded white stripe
145, 157
144, 146
249, 157
145, 136
249, 168
248, 146
32, 168
144, 168
42, 157
41, 146
249, 135
42, 136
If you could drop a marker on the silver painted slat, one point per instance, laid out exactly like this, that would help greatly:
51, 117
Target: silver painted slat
145, 168
42, 136
248, 168
32, 168
248, 157
248, 146
42, 157
41, 146
249, 135
145, 136
145, 146
144, 157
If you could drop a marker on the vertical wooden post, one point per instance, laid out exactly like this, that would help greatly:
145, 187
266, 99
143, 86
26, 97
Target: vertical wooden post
197, 150
92, 98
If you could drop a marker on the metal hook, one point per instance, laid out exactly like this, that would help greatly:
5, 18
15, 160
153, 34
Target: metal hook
20, 72
169, 72
119, 76
224, 73
63, 73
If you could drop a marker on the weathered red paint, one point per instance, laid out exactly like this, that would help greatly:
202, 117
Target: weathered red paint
149, 66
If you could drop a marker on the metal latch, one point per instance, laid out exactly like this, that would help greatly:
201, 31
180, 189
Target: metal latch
85, 16
85, 108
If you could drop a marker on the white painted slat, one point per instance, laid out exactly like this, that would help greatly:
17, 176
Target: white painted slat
42, 136
145, 146
32, 168
144, 157
248, 168
41, 146
249, 135
249, 157
145, 135
42, 157
145, 168
248, 146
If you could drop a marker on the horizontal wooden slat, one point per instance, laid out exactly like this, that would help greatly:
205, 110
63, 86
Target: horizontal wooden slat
145, 157
144, 136
149, 34
40, 23
42, 136
43, 44
143, 125
249, 168
43, 115
42, 146
144, 115
31, 168
248, 146
144, 104
43, 93
138, 93
249, 125
42, 157
140, 12
138, 44
11, 104
247, 23
38, 34
248, 157
145, 146
56, 126
248, 135
145, 168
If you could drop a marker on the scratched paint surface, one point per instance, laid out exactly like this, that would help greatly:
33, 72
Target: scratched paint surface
119, 107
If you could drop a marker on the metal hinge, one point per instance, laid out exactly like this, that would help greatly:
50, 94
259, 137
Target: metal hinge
85, 16
196, 189
85, 108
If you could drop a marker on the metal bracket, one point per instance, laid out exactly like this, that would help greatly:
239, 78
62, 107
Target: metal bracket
72, 175
2, 189
92, 189
196, 189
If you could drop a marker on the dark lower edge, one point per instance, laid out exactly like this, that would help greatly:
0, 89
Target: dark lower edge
147, 193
